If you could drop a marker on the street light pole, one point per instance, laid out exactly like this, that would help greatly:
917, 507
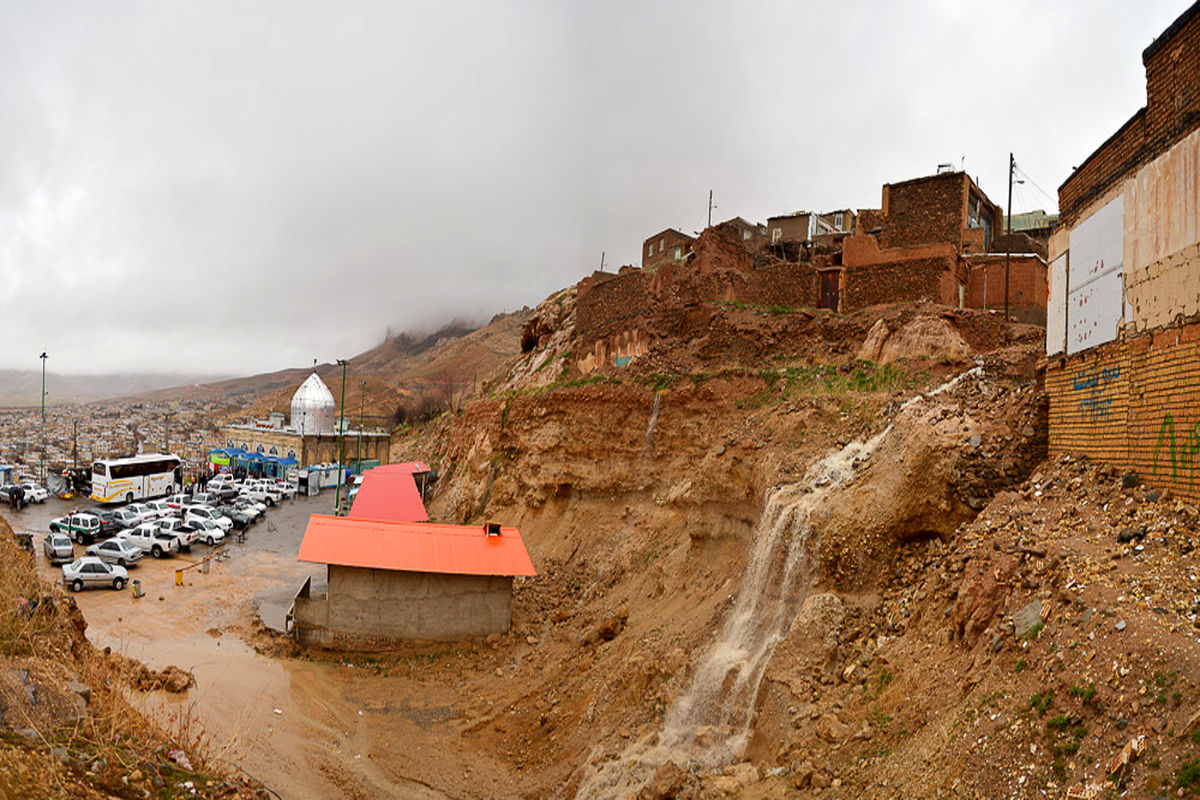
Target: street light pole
42, 463
361, 402
337, 498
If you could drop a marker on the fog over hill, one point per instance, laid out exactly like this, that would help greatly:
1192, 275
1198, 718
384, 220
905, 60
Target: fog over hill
21, 387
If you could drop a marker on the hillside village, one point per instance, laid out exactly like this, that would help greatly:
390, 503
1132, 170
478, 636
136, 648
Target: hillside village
867, 503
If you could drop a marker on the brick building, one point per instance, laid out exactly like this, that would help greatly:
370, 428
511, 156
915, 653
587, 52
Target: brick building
666, 247
1123, 328
934, 238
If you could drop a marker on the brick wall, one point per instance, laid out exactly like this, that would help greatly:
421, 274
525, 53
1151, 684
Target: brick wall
915, 279
1172, 111
924, 211
1116, 158
1134, 404
614, 305
1172, 85
1027, 287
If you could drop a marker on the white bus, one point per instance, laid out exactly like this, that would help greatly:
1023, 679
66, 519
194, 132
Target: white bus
129, 479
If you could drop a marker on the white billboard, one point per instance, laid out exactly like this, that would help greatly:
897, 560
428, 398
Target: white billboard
1056, 308
1094, 313
1095, 298
1098, 245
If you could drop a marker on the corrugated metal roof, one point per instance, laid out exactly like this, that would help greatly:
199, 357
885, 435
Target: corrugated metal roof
388, 494
414, 547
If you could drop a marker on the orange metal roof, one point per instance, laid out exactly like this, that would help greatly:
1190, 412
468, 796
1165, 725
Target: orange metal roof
414, 547
408, 468
388, 494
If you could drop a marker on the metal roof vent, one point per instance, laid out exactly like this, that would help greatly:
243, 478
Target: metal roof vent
491, 529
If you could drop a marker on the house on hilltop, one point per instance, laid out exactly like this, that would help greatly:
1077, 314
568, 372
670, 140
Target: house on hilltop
933, 239
1123, 326
793, 237
665, 247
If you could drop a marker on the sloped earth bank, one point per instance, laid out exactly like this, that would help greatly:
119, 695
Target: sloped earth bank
641, 500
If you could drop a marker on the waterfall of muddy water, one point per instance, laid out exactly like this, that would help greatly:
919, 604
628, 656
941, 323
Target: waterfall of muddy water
709, 723
652, 423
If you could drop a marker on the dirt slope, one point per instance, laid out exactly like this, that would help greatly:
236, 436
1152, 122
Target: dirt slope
638, 491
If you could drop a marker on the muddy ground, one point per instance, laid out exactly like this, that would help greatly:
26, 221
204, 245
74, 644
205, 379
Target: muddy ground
302, 728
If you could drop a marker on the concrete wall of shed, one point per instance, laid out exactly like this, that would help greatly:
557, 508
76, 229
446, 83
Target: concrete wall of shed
364, 605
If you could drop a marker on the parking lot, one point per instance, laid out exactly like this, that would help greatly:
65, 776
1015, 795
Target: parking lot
251, 706
259, 575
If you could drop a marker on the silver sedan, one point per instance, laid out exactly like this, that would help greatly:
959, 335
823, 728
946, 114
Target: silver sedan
91, 571
116, 551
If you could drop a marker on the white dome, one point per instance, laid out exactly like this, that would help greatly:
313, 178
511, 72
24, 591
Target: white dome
313, 407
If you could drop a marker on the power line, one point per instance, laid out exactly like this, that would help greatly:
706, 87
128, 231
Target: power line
1035, 185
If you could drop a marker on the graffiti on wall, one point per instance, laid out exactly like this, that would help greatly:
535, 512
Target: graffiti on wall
1094, 406
1181, 452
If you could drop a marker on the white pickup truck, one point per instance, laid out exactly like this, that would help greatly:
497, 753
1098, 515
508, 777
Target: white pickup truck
151, 539
262, 491
188, 535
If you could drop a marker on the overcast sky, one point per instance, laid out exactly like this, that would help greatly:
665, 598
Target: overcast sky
230, 188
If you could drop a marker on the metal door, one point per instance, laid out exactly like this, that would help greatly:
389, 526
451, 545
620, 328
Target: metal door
829, 289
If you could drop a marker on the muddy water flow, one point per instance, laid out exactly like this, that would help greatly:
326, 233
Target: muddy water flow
709, 723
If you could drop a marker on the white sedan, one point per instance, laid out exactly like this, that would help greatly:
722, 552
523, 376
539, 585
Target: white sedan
34, 493
208, 532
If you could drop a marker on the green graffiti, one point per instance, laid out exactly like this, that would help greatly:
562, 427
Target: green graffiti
1167, 426
1182, 457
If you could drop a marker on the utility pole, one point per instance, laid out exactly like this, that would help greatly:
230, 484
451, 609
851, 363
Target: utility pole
167, 432
337, 498
42, 463
710, 208
1008, 234
361, 402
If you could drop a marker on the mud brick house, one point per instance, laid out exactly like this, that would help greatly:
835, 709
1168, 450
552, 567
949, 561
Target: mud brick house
923, 245
666, 247
752, 234
1123, 326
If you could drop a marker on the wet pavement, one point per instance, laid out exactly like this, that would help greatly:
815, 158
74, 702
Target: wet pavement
296, 725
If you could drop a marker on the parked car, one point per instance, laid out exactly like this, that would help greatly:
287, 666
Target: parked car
208, 532
83, 528
176, 502
160, 507
6, 491
222, 480
259, 493
116, 550
92, 571
251, 508
34, 493
186, 533
58, 549
126, 517
286, 489
226, 491
238, 519
149, 538
109, 524
143, 511
195, 513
